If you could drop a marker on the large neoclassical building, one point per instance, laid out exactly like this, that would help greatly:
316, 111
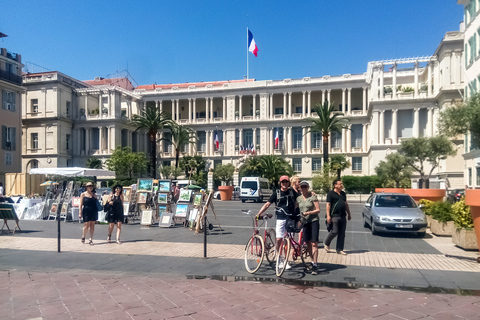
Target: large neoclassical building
66, 121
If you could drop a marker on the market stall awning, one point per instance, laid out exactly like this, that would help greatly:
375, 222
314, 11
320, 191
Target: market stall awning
74, 172
48, 183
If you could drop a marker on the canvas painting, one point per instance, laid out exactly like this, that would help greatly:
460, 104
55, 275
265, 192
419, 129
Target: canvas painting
162, 210
164, 185
185, 195
54, 207
145, 185
147, 217
193, 215
142, 197
76, 202
182, 210
126, 208
127, 194
162, 198
198, 199
64, 208
166, 220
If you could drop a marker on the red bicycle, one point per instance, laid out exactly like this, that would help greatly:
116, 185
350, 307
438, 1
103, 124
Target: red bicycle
257, 247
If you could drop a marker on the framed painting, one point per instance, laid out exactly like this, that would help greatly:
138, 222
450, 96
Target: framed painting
145, 185
193, 214
142, 197
166, 221
164, 186
185, 195
127, 194
126, 208
146, 217
162, 198
54, 208
161, 211
76, 202
181, 211
198, 199
64, 208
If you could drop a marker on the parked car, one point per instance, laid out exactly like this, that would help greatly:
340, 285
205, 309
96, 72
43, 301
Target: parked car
393, 212
235, 195
455, 195
254, 188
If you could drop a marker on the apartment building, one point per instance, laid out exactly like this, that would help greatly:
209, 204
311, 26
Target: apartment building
393, 100
471, 64
10, 116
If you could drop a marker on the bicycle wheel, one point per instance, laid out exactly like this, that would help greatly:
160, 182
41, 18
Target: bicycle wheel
270, 242
305, 255
254, 253
282, 257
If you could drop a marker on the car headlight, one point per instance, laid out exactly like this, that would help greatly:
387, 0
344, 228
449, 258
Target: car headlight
419, 220
384, 219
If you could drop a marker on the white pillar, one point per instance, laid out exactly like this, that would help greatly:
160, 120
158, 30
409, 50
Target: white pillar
304, 106
394, 89
349, 138
224, 108
364, 100
309, 142
309, 103
304, 140
100, 140
284, 105
240, 108
382, 92
364, 138
416, 122
323, 96
290, 105
271, 143
254, 114
240, 137
416, 78
194, 110
328, 96
429, 132
189, 110
382, 127
349, 101
289, 140
173, 109
375, 120
207, 115
343, 101
344, 140
271, 106
429, 81
394, 126
161, 106
211, 110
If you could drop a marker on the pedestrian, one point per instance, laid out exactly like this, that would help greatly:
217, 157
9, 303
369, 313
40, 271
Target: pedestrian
285, 203
309, 210
88, 210
115, 212
338, 212
295, 183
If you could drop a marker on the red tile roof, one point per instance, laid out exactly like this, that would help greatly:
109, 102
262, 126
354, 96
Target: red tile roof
120, 82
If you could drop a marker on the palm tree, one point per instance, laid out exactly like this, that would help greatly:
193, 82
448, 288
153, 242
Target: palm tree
180, 136
152, 120
274, 167
252, 167
339, 163
94, 163
327, 122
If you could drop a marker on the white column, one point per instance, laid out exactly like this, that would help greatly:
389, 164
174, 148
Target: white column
364, 100
416, 78
323, 96
349, 138
429, 123
416, 122
284, 105
271, 106
289, 140
194, 110
429, 81
173, 109
309, 142
328, 96
161, 106
207, 116
290, 105
349, 101
304, 106
344, 140
189, 110
87, 141
343, 101
224, 108
394, 127
304, 140
254, 106
364, 138
211, 111
382, 92
240, 108
178, 109
255, 138
375, 120
309, 103
100, 140
382, 127
436, 114
394, 89
271, 143
436, 80
240, 137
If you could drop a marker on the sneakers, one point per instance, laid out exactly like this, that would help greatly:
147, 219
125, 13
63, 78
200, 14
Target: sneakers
288, 266
314, 270
343, 253
280, 265
327, 248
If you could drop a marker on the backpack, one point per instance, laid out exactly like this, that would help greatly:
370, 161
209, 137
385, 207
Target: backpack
289, 195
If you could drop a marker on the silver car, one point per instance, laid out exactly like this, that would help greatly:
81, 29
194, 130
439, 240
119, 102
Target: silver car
393, 212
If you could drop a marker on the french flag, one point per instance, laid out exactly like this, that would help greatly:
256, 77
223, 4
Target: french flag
277, 139
252, 46
215, 140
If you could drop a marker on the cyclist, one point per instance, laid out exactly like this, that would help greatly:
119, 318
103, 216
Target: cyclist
310, 208
284, 200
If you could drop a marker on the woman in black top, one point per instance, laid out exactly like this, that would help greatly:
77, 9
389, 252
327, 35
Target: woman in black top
88, 210
115, 212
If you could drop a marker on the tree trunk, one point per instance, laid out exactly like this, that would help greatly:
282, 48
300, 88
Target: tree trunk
177, 156
339, 171
325, 148
153, 156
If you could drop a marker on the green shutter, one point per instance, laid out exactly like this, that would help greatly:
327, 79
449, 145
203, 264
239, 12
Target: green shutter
13, 140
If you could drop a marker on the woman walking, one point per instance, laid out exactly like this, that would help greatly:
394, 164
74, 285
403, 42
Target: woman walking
88, 210
309, 208
115, 212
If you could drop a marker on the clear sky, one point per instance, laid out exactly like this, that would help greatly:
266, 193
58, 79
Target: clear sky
174, 41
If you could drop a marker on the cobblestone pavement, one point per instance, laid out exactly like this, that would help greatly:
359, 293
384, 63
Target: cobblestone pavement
71, 295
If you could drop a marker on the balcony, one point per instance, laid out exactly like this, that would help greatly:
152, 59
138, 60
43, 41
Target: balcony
10, 77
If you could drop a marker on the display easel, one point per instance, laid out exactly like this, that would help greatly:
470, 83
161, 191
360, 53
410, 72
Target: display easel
201, 218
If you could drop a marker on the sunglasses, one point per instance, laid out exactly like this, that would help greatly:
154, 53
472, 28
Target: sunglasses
286, 181
303, 186
89, 186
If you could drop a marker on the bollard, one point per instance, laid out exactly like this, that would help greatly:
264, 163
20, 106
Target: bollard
205, 236
58, 217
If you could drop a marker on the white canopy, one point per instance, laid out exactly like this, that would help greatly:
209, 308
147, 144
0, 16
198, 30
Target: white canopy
74, 172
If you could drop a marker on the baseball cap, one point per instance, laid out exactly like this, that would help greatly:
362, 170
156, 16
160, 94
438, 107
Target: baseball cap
304, 183
284, 178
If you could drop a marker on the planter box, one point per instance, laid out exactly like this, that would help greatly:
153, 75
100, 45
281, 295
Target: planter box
442, 228
225, 192
429, 194
429, 220
388, 190
465, 239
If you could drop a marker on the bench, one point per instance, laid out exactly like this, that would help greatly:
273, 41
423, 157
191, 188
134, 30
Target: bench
7, 212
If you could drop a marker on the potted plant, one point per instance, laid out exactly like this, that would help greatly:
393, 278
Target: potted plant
472, 199
426, 207
388, 90
257, 113
236, 114
423, 87
464, 235
442, 222
104, 110
94, 112
223, 174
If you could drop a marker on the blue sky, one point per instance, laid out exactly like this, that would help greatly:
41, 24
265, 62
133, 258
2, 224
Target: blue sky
189, 41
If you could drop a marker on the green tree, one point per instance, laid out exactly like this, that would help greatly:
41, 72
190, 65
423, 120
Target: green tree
168, 172
152, 120
127, 163
421, 151
338, 163
180, 137
224, 174
461, 119
395, 168
323, 180
198, 163
253, 167
94, 163
274, 167
327, 122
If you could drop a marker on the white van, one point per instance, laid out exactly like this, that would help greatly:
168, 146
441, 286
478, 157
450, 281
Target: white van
254, 188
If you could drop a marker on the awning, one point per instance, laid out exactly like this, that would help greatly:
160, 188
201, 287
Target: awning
74, 172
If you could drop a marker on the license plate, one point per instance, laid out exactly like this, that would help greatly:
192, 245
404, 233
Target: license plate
404, 226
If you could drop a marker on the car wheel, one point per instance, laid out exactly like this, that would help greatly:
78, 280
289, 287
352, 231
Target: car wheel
421, 234
374, 230
365, 224
243, 200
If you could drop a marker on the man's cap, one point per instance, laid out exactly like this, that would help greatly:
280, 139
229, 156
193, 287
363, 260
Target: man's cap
282, 178
88, 184
304, 183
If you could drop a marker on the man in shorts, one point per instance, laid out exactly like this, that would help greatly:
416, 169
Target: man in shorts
284, 198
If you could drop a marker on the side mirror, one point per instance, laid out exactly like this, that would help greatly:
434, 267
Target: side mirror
367, 205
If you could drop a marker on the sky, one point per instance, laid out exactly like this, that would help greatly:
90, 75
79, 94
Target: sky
175, 41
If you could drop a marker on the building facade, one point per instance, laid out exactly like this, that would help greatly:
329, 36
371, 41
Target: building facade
393, 100
10, 114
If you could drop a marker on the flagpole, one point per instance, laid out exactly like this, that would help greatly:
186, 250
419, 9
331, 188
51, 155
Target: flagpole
247, 53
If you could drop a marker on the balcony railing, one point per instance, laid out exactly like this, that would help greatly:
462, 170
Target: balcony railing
8, 76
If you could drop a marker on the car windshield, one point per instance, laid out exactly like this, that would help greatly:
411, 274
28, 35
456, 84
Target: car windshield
394, 201
249, 185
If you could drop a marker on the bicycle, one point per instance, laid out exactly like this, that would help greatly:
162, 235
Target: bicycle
300, 248
257, 247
